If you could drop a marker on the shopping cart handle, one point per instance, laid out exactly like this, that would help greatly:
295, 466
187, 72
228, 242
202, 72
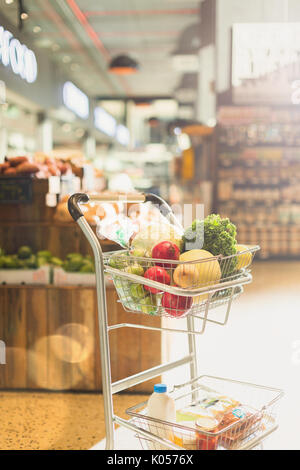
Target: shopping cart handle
73, 204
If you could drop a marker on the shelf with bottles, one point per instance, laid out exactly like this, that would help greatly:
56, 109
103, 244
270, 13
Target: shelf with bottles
282, 215
251, 126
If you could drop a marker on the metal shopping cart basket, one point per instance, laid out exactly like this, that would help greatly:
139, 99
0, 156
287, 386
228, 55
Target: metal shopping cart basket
201, 286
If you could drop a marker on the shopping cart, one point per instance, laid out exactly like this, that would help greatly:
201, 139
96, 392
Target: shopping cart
212, 282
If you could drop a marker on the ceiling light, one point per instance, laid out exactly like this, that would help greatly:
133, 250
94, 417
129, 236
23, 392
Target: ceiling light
37, 29
74, 67
22, 14
143, 103
123, 65
66, 59
153, 122
9, 2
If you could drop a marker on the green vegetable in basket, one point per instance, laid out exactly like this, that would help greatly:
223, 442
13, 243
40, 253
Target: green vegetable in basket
118, 261
147, 305
216, 235
137, 291
138, 253
24, 252
136, 269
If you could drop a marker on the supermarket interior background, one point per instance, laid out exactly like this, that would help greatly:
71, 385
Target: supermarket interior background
194, 101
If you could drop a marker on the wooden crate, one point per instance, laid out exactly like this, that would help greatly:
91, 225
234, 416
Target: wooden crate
36, 211
60, 238
51, 337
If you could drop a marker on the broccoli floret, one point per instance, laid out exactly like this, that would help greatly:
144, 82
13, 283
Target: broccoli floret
216, 235
194, 236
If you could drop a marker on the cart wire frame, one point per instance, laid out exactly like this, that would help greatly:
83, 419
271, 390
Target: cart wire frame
109, 387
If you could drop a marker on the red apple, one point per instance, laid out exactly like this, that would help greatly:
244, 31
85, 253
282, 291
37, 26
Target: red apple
166, 250
176, 305
157, 274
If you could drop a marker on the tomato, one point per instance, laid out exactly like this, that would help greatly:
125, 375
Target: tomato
155, 273
176, 305
166, 250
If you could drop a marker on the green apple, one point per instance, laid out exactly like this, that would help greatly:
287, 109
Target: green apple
118, 261
136, 269
148, 305
137, 291
138, 253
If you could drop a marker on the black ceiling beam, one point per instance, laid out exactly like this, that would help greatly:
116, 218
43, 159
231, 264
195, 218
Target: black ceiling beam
133, 98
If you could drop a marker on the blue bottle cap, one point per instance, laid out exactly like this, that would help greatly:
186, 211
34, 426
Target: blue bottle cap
160, 388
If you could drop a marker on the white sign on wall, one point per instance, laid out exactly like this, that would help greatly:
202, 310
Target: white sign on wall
16, 55
75, 100
265, 62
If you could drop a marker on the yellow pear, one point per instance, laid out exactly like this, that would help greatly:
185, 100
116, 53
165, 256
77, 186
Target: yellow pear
244, 259
192, 275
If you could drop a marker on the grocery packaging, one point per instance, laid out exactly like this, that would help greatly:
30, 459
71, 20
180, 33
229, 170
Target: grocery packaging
206, 427
161, 406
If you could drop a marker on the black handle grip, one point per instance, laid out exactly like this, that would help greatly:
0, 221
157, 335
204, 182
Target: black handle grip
73, 204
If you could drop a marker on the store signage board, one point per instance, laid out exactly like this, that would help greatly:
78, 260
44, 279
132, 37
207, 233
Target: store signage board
15, 190
104, 122
75, 100
17, 56
265, 62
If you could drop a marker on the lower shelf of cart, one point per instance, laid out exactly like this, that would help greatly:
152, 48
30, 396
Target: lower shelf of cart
268, 426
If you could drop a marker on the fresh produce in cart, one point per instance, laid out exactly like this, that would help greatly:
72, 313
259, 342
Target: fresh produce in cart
159, 275
245, 258
153, 234
204, 255
176, 305
216, 235
166, 250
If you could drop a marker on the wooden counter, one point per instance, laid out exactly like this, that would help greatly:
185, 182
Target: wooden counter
57, 237
51, 333
51, 337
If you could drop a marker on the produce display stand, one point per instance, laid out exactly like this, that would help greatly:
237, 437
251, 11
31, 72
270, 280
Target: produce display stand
205, 297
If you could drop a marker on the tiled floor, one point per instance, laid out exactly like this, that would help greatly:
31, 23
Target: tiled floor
260, 344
